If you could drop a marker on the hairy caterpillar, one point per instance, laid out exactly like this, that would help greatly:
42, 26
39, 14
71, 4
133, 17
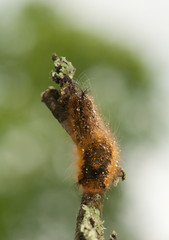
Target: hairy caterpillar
98, 152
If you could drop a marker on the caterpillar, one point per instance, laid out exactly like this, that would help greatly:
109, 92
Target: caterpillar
98, 152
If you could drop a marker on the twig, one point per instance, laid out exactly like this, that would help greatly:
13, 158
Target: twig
89, 225
63, 103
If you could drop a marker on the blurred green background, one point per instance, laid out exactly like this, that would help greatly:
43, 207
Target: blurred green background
38, 196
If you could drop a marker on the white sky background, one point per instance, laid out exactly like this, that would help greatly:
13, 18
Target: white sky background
143, 25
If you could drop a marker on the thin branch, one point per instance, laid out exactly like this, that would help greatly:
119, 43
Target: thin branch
89, 225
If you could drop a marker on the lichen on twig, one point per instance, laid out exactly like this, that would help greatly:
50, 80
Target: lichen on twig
89, 224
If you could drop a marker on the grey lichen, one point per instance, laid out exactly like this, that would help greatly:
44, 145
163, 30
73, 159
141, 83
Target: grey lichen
63, 68
92, 226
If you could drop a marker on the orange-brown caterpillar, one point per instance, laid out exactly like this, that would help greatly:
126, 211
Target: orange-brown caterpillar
98, 163
98, 152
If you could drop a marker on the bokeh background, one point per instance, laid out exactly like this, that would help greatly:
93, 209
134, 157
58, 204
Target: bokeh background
121, 53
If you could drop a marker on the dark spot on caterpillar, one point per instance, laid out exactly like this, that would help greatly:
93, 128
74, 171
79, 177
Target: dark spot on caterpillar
96, 159
93, 173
